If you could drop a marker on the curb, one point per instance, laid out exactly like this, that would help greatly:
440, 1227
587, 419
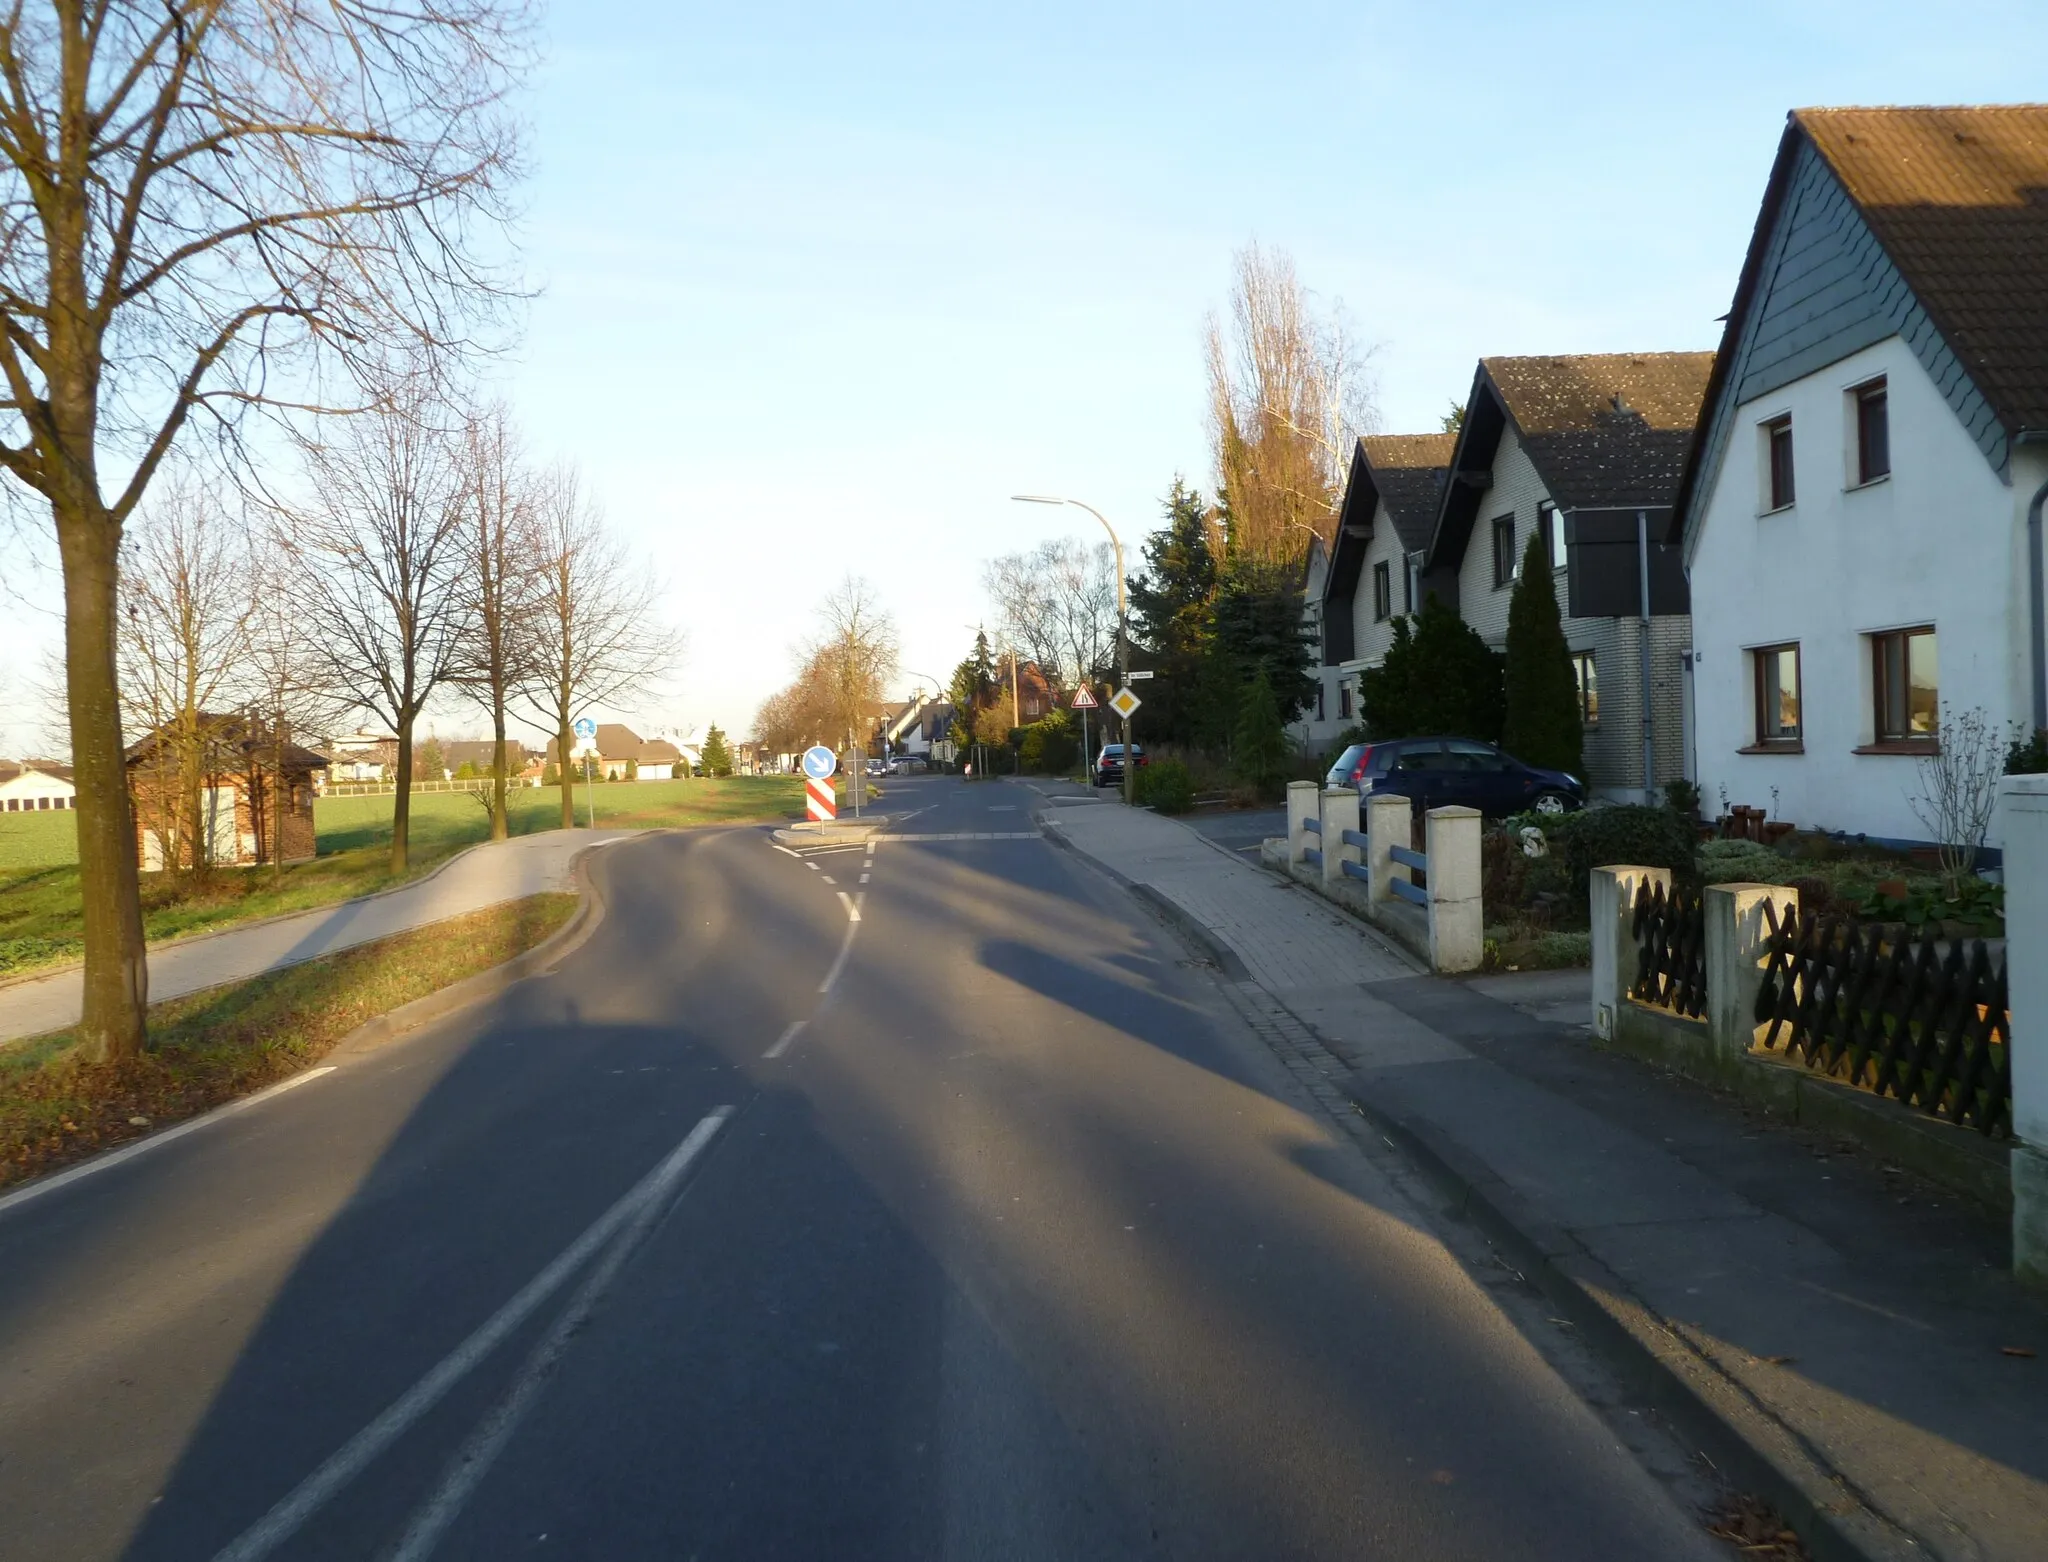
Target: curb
1745, 1441
381, 1030
1748, 1444
282, 916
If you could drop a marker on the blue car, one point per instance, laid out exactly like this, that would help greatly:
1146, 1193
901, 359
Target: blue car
1436, 772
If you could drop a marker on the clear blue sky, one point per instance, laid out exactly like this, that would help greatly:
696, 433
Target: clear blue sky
823, 285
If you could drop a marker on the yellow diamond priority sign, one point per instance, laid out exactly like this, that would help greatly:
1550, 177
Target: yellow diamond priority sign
1124, 703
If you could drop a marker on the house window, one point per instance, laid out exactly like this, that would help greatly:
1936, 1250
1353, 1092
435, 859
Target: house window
1344, 702
1503, 550
1586, 675
1408, 579
1320, 692
1778, 489
1550, 522
1873, 433
1905, 677
1382, 591
1777, 696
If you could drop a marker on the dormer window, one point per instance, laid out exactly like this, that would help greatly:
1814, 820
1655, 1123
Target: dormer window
1778, 488
1873, 432
1504, 560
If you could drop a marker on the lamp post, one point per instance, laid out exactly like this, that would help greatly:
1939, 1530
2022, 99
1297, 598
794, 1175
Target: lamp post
1123, 638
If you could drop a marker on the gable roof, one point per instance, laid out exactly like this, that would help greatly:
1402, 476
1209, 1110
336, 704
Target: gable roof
1605, 431
1397, 475
1959, 199
1933, 224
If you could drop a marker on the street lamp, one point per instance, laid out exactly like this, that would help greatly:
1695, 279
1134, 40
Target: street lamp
1123, 637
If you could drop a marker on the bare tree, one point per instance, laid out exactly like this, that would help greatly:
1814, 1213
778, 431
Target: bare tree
1959, 790
597, 638
1288, 396
1058, 602
288, 692
210, 203
496, 644
182, 647
380, 566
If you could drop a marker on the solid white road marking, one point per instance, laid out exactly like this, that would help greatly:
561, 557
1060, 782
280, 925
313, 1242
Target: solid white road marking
788, 1036
852, 906
474, 1459
304, 1500
36, 1190
839, 964
772, 846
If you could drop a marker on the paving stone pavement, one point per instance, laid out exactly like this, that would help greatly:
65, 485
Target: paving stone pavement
1850, 1338
482, 876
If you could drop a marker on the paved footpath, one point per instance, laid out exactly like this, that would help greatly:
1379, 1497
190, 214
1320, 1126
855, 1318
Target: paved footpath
482, 876
1848, 1337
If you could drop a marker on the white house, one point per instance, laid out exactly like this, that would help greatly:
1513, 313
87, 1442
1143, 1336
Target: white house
1318, 727
1383, 526
1861, 515
34, 785
1586, 451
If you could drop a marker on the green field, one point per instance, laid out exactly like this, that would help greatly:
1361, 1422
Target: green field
38, 840
39, 903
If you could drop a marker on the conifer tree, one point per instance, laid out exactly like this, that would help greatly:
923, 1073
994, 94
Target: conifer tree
1541, 725
717, 758
1261, 737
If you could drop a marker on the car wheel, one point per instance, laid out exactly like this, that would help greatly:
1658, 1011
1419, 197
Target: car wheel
1551, 803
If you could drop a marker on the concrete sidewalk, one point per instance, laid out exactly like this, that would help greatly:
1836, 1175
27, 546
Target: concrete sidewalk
481, 876
1841, 1339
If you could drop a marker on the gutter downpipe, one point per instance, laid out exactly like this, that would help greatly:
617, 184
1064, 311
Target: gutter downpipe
1643, 604
2037, 615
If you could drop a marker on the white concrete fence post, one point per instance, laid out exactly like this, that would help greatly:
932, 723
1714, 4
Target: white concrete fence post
1614, 945
2023, 822
1389, 822
1736, 935
1457, 915
1301, 807
1340, 813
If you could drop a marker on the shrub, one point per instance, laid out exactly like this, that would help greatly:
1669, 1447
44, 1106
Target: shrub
1630, 833
1437, 676
1743, 862
1165, 785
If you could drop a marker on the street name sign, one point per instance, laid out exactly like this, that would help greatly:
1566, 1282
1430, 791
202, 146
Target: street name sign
1139, 677
1125, 703
1083, 700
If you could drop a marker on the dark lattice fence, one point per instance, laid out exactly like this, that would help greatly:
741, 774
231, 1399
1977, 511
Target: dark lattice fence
1671, 950
1909, 1016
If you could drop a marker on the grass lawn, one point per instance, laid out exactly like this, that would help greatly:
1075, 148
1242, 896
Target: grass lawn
211, 1047
38, 840
39, 905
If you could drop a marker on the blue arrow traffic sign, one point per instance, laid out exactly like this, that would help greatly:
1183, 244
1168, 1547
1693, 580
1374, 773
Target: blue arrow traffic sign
820, 762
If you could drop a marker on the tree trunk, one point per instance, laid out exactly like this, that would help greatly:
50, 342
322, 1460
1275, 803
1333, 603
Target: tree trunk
562, 740
500, 826
401, 802
116, 961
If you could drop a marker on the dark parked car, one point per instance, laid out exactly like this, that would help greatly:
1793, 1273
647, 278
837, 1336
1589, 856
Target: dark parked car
1434, 772
1109, 764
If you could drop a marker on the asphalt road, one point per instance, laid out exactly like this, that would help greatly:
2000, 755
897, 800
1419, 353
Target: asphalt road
1020, 1246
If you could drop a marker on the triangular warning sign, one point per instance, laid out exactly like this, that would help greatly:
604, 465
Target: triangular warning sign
1083, 700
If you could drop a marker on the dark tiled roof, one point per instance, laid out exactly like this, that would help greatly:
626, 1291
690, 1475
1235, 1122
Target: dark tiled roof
659, 751
1605, 429
1408, 471
1959, 199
